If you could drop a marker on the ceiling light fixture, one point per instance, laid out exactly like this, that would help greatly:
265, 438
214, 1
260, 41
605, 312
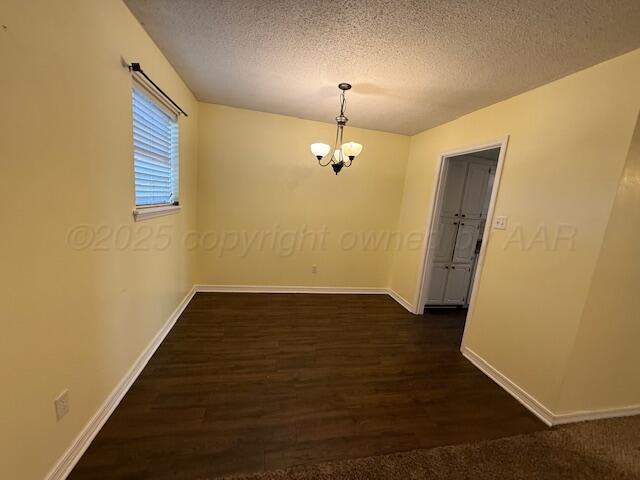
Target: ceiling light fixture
343, 153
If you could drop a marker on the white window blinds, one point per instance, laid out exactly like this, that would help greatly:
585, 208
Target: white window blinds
155, 152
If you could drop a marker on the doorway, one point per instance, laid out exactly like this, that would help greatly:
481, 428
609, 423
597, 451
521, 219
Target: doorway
461, 218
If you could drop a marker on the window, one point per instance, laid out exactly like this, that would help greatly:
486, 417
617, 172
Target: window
155, 152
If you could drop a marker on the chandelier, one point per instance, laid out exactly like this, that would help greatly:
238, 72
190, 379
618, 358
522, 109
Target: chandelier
343, 153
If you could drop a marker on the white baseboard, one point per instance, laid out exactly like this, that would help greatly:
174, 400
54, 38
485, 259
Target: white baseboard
91, 429
533, 405
289, 289
583, 416
536, 407
401, 300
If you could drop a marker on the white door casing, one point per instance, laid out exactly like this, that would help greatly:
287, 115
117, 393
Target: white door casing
443, 164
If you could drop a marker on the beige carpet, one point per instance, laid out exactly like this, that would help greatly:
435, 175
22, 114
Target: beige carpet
599, 450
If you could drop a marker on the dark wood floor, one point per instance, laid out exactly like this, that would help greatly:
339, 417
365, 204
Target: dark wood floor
246, 382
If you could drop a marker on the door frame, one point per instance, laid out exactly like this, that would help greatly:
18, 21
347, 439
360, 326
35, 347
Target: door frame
436, 205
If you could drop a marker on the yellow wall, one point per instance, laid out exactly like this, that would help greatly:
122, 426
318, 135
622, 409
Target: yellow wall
259, 185
603, 371
567, 148
76, 319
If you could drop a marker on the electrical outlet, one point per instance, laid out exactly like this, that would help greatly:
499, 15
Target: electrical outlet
314, 269
61, 405
500, 223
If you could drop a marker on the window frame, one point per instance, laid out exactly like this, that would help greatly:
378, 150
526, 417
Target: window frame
143, 212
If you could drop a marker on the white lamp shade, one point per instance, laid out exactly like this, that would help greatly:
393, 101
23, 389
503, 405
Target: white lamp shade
351, 149
320, 149
337, 155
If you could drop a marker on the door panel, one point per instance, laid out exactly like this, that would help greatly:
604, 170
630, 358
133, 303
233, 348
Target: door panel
437, 284
454, 187
474, 190
465, 246
445, 239
457, 285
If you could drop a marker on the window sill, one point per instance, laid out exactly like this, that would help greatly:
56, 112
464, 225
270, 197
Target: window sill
146, 213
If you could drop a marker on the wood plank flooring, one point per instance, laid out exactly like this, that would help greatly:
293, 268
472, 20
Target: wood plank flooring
246, 382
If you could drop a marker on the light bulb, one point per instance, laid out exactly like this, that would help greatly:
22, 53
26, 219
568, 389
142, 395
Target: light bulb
337, 155
351, 149
319, 150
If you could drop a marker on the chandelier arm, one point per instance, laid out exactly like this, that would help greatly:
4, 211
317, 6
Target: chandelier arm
325, 164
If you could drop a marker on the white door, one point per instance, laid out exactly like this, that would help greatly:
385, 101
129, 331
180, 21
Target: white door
445, 239
457, 287
437, 284
465, 247
454, 187
474, 190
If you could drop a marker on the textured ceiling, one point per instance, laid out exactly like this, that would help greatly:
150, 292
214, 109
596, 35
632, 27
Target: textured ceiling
413, 64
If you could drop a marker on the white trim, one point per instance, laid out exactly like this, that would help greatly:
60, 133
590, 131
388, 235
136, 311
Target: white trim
145, 213
533, 405
289, 289
425, 257
485, 238
584, 415
80, 444
536, 407
308, 289
401, 300
431, 219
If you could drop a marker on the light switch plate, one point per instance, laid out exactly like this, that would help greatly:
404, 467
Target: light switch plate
500, 223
